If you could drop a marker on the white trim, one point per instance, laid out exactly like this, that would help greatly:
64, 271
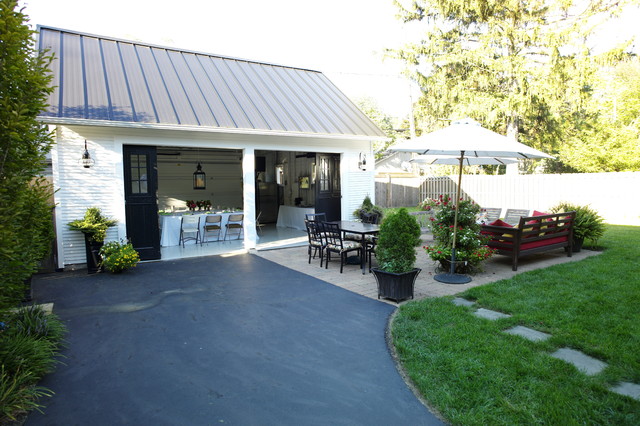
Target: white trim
249, 197
157, 126
55, 171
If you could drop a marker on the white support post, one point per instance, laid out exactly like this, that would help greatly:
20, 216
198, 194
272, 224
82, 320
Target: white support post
249, 197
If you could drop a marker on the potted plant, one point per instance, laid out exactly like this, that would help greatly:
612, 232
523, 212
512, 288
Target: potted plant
94, 227
396, 253
118, 256
471, 248
588, 224
368, 212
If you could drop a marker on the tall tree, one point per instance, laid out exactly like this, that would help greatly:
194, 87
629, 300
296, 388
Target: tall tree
25, 225
518, 66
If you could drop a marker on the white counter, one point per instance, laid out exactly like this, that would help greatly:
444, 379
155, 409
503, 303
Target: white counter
293, 217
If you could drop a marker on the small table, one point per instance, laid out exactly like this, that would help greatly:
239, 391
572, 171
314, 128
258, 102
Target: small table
362, 229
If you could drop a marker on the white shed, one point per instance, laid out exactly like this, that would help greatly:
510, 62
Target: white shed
150, 114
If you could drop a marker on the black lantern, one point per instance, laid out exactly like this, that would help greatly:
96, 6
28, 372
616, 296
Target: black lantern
362, 162
86, 159
199, 178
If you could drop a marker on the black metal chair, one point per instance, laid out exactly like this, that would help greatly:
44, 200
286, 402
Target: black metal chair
336, 244
316, 217
315, 240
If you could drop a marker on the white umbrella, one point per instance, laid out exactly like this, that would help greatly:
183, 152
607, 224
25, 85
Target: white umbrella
435, 160
466, 139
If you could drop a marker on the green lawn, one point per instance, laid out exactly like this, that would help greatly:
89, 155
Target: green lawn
473, 373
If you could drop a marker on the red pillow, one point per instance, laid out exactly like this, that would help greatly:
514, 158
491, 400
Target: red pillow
500, 223
537, 213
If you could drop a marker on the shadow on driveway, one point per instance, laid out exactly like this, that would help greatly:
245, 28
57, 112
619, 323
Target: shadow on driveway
236, 340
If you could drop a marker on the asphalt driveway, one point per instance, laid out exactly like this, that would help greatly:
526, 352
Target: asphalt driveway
220, 340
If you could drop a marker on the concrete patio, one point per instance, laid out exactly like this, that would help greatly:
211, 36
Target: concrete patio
495, 269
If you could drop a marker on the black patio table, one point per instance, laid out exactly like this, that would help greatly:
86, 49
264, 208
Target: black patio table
362, 229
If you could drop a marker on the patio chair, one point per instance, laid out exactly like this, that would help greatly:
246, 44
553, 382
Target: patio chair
235, 225
315, 239
336, 244
316, 217
212, 225
512, 216
189, 229
490, 214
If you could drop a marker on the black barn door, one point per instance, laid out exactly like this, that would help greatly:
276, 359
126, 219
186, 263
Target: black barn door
328, 185
141, 205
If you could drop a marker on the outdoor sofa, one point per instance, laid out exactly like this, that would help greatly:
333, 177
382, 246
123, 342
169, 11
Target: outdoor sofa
538, 233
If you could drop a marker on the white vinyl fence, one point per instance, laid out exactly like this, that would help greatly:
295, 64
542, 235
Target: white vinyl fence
615, 196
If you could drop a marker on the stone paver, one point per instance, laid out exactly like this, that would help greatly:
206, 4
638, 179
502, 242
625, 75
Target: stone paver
627, 389
588, 365
463, 302
490, 315
496, 268
528, 333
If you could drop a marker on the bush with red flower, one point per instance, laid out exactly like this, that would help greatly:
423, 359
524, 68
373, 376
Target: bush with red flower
471, 247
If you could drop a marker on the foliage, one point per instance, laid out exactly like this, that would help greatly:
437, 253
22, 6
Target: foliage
470, 244
368, 208
588, 223
94, 224
118, 256
26, 228
472, 372
520, 68
29, 341
428, 204
371, 109
398, 237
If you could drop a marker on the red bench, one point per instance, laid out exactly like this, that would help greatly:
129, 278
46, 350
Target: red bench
533, 234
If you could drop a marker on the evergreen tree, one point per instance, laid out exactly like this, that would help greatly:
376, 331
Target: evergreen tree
25, 213
519, 67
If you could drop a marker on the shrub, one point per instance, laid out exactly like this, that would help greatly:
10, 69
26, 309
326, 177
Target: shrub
398, 237
94, 224
29, 342
367, 208
470, 244
588, 225
118, 256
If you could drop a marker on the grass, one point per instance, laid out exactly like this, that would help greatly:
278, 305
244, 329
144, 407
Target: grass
473, 373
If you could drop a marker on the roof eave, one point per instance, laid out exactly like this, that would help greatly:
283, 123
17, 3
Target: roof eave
204, 129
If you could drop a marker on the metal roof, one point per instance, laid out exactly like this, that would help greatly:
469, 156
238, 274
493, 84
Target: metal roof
129, 83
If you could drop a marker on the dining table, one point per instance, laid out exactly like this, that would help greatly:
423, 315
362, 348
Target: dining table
362, 229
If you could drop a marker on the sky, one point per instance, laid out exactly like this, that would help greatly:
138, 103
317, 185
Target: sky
344, 39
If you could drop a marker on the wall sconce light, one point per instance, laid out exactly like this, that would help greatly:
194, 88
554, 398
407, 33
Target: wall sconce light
199, 178
86, 159
362, 162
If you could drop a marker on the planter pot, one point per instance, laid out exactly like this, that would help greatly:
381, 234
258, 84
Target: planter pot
395, 286
577, 245
93, 254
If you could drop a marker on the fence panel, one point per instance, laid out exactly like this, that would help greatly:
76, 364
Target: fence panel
611, 194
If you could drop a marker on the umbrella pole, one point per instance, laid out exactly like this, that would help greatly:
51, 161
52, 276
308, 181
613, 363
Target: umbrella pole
452, 277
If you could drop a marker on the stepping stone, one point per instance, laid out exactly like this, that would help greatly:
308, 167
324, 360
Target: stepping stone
588, 365
459, 301
489, 314
627, 389
528, 333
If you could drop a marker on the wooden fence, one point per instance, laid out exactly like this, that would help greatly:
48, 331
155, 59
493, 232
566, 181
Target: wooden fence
613, 195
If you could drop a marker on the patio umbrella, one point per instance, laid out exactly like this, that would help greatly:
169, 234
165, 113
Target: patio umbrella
436, 160
465, 139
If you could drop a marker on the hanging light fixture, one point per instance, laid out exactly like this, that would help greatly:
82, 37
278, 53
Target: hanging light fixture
199, 178
86, 159
362, 162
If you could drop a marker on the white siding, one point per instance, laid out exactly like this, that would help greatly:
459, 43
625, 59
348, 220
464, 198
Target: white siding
78, 188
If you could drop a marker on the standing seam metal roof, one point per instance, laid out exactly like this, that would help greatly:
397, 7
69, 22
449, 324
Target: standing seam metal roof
102, 78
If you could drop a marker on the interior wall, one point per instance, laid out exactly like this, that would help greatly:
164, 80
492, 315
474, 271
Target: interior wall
297, 165
223, 171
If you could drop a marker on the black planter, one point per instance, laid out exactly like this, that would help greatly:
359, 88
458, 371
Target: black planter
577, 244
93, 254
394, 286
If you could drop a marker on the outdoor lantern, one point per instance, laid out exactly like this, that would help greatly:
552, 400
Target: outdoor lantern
199, 178
86, 159
362, 163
